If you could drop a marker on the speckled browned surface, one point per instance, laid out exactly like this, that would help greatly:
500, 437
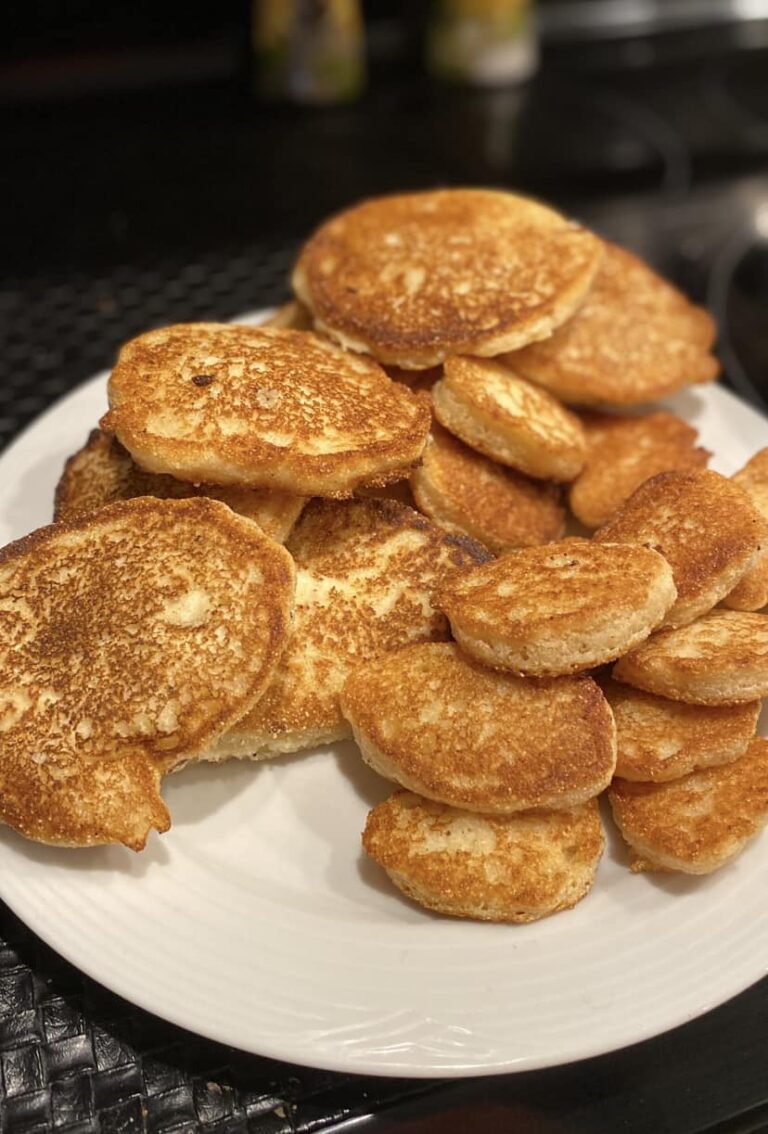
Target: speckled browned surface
482, 271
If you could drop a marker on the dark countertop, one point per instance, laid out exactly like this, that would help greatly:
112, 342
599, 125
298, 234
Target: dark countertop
131, 209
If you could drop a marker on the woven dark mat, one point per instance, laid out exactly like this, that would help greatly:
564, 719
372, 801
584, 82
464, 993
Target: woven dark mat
76, 1058
73, 1057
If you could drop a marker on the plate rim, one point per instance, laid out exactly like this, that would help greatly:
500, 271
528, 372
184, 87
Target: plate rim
36, 921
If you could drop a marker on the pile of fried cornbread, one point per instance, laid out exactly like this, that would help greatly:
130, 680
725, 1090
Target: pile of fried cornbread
351, 521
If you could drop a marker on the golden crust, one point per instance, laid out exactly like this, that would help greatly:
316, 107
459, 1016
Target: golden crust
509, 419
133, 635
264, 407
622, 453
468, 493
751, 591
661, 740
703, 524
560, 608
699, 823
366, 572
721, 659
634, 339
414, 278
449, 729
103, 472
509, 868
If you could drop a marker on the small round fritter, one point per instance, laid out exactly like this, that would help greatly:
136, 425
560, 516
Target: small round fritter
721, 659
512, 868
560, 608
103, 472
262, 407
660, 740
472, 495
634, 339
703, 524
131, 638
414, 278
699, 823
509, 419
366, 570
622, 453
751, 591
450, 729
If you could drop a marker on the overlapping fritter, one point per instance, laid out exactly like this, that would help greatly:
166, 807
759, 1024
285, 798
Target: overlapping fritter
469, 494
440, 724
509, 419
751, 591
721, 659
634, 339
560, 608
698, 823
366, 571
622, 453
703, 524
509, 868
414, 278
103, 472
262, 407
658, 739
131, 638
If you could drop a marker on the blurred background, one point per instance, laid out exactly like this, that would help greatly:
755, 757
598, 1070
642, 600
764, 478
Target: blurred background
204, 140
162, 161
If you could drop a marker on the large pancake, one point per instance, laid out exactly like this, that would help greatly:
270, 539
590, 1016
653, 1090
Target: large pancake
510, 868
622, 453
699, 823
103, 472
366, 570
469, 494
414, 278
131, 638
704, 525
262, 407
560, 608
634, 339
452, 730
721, 659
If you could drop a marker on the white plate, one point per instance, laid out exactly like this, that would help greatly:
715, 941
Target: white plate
256, 920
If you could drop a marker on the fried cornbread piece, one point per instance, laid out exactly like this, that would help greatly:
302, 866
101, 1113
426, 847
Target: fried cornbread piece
635, 338
435, 721
103, 472
751, 591
699, 823
261, 407
560, 608
660, 740
416, 277
366, 573
467, 493
513, 868
703, 524
131, 638
622, 453
721, 659
509, 419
